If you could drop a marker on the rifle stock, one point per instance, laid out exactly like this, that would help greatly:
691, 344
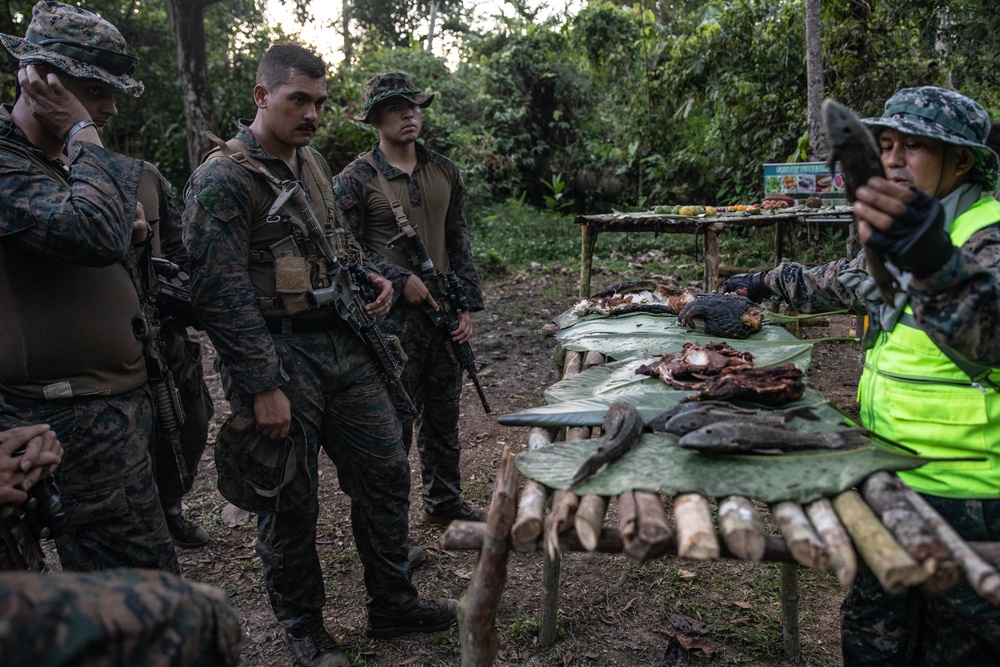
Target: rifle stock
21, 527
350, 290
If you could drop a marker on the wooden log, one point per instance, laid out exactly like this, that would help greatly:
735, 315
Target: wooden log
802, 540
564, 504
628, 528
478, 607
895, 569
983, 578
589, 519
572, 363
469, 535
695, 535
654, 527
840, 552
531, 509
885, 494
592, 359
789, 595
742, 528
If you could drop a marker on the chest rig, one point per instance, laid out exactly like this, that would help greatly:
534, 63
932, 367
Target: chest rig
282, 262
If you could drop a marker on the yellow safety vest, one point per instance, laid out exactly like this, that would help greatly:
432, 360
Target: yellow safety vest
911, 392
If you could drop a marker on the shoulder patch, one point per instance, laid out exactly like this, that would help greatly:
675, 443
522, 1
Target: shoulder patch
209, 197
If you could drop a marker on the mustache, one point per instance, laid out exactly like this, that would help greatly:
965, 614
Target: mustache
306, 126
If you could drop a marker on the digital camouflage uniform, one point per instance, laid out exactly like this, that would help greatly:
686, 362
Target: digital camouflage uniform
115, 617
182, 353
327, 376
434, 201
63, 236
959, 306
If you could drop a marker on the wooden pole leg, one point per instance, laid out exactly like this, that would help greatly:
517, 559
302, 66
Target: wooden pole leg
790, 610
547, 620
588, 239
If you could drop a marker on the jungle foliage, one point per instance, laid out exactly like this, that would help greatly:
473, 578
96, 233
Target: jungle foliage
630, 104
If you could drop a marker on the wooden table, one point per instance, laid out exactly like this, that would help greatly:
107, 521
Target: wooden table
592, 225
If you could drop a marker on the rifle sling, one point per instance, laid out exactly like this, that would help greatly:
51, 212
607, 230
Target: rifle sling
395, 204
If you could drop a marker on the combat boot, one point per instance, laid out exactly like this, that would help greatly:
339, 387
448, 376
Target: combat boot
185, 533
313, 646
461, 512
418, 616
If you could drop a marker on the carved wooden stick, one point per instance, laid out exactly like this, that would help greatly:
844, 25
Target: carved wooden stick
742, 528
695, 535
895, 569
648, 529
886, 495
628, 526
983, 578
477, 610
839, 550
589, 519
531, 509
802, 539
564, 505
572, 363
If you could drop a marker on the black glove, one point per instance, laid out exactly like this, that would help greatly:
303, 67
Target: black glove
751, 283
916, 241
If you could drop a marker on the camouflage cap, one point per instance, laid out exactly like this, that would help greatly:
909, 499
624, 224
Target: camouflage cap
77, 42
391, 84
259, 474
929, 111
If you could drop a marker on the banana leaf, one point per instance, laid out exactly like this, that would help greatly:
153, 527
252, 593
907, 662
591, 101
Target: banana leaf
656, 463
590, 411
619, 377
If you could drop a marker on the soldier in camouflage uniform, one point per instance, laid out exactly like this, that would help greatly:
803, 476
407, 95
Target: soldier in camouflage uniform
931, 375
433, 199
115, 617
183, 356
247, 288
68, 224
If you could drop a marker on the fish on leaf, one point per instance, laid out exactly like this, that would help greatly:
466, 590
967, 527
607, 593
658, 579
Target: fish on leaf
622, 428
742, 438
854, 147
692, 420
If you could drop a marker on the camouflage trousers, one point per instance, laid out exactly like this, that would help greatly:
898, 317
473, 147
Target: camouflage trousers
433, 379
956, 627
105, 481
183, 356
116, 617
345, 408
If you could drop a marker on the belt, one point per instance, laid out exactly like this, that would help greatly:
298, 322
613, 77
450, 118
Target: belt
289, 326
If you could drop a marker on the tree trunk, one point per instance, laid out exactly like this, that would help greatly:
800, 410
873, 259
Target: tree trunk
188, 25
818, 148
430, 28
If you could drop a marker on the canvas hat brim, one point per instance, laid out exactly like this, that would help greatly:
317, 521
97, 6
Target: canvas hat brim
422, 100
986, 165
29, 53
258, 474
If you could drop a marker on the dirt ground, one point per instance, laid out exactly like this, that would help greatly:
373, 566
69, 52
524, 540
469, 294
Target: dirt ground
667, 613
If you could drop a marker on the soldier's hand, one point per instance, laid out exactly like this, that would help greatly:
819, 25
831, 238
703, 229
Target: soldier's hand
415, 292
273, 413
463, 331
51, 104
750, 285
905, 224
42, 451
383, 302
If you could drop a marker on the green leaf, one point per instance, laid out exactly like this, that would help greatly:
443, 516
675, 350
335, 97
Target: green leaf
656, 463
590, 411
619, 377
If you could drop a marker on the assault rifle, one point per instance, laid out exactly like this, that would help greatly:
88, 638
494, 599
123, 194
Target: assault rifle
447, 290
167, 407
349, 291
21, 527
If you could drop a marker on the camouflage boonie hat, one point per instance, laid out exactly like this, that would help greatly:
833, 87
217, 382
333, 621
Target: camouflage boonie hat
77, 42
929, 111
259, 474
391, 84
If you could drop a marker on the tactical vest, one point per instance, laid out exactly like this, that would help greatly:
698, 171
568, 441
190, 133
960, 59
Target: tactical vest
280, 270
913, 393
